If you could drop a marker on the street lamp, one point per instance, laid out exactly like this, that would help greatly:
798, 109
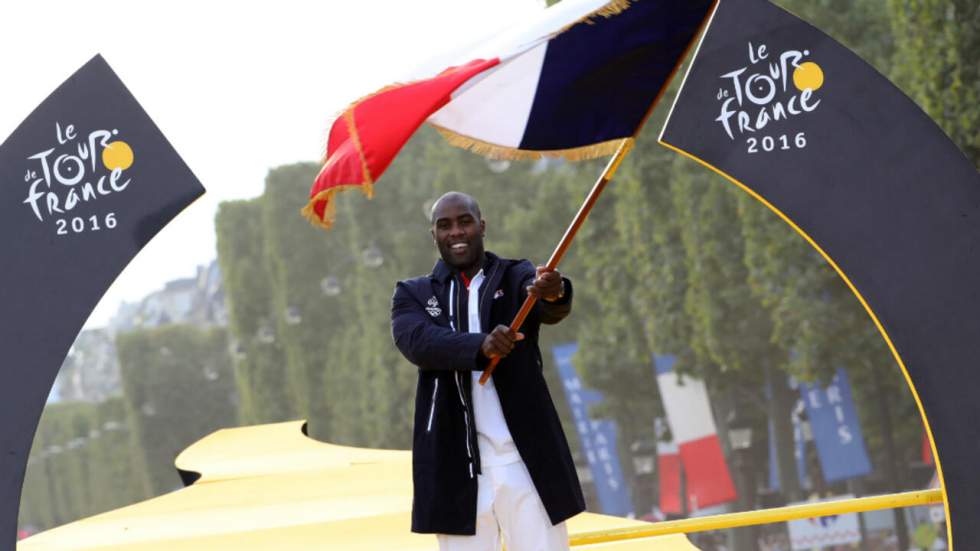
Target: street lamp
111, 426
740, 440
372, 257
265, 334
644, 452
237, 350
644, 456
330, 286
210, 373
292, 315
739, 430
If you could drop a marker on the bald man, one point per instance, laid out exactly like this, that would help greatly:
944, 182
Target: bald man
489, 462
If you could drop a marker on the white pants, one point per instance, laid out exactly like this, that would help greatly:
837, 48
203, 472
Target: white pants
507, 504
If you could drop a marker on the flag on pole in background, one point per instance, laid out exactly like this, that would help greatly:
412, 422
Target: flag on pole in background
572, 82
85, 181
818, 135
692, 425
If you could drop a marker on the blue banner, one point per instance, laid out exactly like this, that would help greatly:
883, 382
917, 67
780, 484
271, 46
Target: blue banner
598, 437
836, 429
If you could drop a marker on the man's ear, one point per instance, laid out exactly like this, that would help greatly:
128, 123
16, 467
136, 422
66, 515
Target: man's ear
483, 228
432, 231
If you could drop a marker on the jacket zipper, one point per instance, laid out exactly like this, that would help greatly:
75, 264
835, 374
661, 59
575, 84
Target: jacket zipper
466, 420
432, 409
454, 299
483, 294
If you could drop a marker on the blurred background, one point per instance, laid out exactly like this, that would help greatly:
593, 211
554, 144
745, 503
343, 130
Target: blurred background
685, 287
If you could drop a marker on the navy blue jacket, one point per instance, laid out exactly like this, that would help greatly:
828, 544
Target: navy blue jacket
445, 455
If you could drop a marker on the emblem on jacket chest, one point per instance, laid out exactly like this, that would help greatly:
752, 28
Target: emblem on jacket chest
433, 307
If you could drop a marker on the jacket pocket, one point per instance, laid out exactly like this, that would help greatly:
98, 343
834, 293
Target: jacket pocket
432, 408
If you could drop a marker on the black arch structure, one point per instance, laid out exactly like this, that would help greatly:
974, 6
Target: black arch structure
877, 188
55, 266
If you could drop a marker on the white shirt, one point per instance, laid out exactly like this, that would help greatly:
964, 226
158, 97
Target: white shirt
496, 444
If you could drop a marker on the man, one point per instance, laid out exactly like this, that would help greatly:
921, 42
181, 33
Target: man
487, 459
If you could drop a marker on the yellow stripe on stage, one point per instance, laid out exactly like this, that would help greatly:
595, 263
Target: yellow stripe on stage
764, 516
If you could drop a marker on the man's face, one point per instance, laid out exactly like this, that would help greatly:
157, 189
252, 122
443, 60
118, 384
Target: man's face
458, 233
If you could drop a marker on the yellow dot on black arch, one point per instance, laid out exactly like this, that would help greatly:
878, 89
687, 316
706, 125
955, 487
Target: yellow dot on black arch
808, 75
117, 154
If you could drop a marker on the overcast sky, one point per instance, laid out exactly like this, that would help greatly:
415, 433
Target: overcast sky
237, 87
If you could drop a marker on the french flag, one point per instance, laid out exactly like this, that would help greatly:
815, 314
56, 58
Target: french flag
571, 83
691, 424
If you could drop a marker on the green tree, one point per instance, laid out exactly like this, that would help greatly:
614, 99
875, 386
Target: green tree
80, 464
861, 25
298, 258
179, 387
935, 62
262, 384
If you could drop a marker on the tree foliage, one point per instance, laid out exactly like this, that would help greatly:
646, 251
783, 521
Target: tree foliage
81, 463
935, 62
178, 387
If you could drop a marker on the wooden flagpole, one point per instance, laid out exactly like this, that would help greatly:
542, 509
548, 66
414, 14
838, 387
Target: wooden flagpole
583, 212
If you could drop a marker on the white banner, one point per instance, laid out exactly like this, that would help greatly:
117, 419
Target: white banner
817, 533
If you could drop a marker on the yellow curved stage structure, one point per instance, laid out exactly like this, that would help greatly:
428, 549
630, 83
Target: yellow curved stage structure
271, 487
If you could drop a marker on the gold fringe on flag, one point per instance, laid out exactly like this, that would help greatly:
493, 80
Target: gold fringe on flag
330, 212
367, 186
356, 137
613, 7
495, 151
350, 110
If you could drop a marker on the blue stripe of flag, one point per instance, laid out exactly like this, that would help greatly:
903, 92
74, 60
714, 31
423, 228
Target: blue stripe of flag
598, 80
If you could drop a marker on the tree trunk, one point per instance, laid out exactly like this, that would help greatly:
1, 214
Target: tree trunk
782, 401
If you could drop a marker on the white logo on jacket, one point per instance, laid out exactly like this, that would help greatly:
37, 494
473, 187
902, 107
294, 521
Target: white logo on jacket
433, 307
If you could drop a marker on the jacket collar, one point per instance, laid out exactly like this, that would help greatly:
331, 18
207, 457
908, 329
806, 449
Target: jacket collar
442, 272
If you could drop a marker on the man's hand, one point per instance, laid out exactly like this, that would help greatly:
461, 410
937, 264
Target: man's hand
500, 342
547, 285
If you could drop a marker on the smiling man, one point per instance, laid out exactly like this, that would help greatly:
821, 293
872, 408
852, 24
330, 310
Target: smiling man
488, 460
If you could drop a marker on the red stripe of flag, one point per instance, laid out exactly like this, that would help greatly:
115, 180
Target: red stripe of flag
708, 480
366, 138
669, 478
